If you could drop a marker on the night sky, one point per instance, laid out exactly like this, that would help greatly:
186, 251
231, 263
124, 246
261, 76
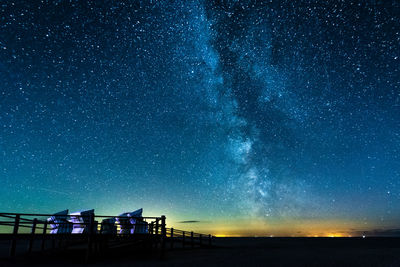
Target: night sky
243, 117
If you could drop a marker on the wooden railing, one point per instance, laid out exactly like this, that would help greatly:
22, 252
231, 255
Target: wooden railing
187, 239
35, 227
26, 226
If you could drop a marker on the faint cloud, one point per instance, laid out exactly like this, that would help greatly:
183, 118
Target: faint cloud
192, 221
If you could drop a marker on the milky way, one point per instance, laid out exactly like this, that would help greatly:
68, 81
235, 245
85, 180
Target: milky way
214, 109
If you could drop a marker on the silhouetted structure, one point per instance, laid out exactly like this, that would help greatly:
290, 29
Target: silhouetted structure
69, 231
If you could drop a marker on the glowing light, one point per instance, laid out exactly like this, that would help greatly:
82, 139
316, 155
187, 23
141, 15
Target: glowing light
221, 235
335, 235
226, 235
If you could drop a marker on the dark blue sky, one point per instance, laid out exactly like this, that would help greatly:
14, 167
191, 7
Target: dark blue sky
281, 112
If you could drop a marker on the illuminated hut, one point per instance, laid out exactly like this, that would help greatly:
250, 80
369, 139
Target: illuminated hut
131, 222
59, 223
81, 220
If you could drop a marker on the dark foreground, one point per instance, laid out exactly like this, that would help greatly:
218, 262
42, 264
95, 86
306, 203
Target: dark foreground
242, 252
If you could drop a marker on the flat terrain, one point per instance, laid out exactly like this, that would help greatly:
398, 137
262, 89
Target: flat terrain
242, 252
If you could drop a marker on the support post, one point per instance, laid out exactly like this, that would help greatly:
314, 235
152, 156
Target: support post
200, 240
152, 239
33, 229
13, 244
90, 237
191, 239
157, 227
151, 228
53, 239
44, 234
95, 229
172, 238
183, 239
163, 235
209, 240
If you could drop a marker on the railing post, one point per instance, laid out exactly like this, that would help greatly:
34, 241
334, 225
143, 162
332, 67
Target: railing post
191, 239
209, 240
90, 237
157, 227
151, 228
163, 235
200, 240
32, 235
172, 238
44, 234
53, 239
14, 238
183, 239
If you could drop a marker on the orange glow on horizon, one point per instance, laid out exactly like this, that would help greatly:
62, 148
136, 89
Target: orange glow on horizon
227, 235
280, 228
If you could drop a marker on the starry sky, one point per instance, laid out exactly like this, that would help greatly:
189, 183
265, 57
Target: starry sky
229, 117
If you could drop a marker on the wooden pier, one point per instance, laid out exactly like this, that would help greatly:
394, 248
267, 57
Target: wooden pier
26, 233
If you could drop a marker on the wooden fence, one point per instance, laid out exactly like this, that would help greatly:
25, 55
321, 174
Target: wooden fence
34, 228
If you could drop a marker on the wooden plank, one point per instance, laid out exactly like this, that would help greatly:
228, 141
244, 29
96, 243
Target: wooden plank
163, 235
32, 235
90, 237
44, 235
13, 244
172, 238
